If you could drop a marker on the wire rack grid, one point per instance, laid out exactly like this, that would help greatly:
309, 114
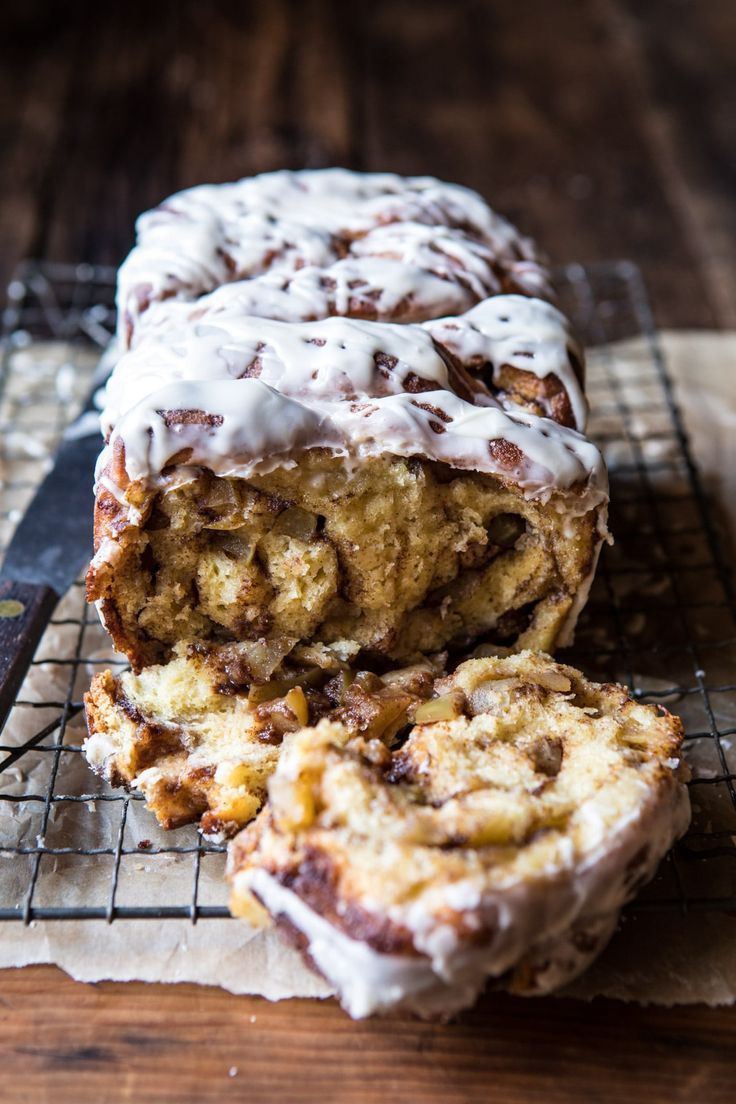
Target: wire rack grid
661, 617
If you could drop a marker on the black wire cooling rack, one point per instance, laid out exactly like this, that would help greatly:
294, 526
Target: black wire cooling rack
661, 617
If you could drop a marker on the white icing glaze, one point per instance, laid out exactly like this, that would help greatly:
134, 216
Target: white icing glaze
332, 359
381, 287
295, 242
297, 247
366, 981
528, 334
252, 428
224, 340
259, 428
353, 387
534, 921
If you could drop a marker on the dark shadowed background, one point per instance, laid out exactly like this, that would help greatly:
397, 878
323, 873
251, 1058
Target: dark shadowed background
607, 128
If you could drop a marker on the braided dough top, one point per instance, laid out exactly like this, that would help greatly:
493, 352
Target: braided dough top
298, 246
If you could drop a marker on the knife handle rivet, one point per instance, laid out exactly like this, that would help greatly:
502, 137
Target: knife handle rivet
10, 607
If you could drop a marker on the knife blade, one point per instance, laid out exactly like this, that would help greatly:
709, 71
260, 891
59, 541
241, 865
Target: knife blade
49, 548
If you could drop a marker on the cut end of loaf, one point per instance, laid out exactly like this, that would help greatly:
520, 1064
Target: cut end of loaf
499, 840
398, 558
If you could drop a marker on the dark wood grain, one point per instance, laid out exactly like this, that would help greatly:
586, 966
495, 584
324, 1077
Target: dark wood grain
606, 128
68, 1042
680, 62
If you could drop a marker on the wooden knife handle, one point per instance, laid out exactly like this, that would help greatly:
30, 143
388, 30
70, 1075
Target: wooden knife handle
25, 611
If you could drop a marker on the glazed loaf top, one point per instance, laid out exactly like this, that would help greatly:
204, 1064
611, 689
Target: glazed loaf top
443, 346
241, 395
298, 246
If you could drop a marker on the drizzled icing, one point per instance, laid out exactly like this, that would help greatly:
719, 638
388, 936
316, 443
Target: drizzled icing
333, 359
245, 395
298, 246
528, 334
348, 358
249, 308
242, 427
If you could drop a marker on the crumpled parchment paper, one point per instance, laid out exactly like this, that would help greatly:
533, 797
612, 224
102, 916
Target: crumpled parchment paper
660, 957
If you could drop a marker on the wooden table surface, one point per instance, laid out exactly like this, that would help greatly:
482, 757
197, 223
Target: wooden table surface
606, 128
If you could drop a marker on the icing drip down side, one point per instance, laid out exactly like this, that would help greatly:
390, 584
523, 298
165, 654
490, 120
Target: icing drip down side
529, 335
243, 427
245, 395
350, 358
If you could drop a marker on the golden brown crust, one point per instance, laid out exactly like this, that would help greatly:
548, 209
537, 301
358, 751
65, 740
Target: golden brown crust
545, 396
